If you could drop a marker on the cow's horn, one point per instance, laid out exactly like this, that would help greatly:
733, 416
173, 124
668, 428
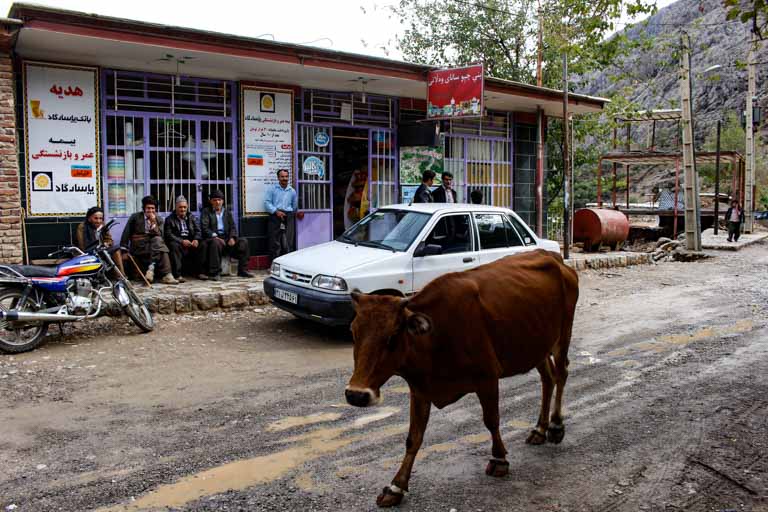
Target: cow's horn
356, 294
404, 303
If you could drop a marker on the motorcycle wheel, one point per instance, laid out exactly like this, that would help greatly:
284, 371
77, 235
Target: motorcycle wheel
17, 339
137, 311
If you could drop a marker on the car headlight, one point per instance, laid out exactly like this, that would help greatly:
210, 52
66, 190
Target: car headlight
330, 283
275, 269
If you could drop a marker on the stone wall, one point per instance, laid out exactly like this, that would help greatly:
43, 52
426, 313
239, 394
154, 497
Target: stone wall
10, 198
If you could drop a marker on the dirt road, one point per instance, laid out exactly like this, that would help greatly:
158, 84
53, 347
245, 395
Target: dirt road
667, 409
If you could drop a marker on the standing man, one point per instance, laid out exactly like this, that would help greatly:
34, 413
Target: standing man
423, 194
143, 235
281, 202
220, 235
734, 217
444, 193
182, 236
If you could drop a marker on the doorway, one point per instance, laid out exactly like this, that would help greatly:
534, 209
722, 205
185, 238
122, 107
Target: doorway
349, 177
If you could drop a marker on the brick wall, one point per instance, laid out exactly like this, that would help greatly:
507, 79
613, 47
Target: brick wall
10, 199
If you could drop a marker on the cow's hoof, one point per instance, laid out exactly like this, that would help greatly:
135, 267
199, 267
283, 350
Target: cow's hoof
389, 498
536, 437
497, 468
555, 433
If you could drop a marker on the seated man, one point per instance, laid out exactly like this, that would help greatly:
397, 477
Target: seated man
182, 236
220, 237
86, 235
143, 235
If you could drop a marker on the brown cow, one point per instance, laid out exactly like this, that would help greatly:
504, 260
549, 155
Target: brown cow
461, 334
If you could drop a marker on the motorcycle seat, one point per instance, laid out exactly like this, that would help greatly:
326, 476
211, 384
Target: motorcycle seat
34, 270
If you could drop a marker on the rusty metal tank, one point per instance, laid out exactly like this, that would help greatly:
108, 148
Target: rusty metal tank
598, 226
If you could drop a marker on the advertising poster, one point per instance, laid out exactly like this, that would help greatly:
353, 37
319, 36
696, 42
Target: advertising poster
267, 142
62, 139
456, 92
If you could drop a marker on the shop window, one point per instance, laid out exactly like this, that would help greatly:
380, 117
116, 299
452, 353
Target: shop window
167, 136
350, 108
483, 164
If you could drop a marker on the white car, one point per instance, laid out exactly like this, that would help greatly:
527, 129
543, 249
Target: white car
395, 250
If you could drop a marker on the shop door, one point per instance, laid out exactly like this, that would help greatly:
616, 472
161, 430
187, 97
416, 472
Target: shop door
383, 173
314, 166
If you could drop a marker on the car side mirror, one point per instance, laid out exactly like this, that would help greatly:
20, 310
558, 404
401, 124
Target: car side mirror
425, 249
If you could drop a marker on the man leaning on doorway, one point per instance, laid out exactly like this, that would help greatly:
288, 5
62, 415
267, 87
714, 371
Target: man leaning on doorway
281, 202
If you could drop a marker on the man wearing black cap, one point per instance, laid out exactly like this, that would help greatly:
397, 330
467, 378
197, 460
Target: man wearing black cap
182, 236
220, 237
143, 235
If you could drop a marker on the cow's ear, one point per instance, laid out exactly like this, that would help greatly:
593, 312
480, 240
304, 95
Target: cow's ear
417, 324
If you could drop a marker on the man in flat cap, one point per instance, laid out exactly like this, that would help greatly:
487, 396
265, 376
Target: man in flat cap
220, 237
182, 236
143, 235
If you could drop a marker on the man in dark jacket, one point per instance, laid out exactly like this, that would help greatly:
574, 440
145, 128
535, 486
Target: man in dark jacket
445, 193
220, 237
734, 217
143, 235
423, 194
182, 236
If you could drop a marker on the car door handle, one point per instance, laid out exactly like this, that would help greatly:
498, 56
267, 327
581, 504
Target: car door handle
468, 260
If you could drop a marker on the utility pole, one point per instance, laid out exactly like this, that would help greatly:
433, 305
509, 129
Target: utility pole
566, 164
717, 179
539, 181
750, 172
691, 185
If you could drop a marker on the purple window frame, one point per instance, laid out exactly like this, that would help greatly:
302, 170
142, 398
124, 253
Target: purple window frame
145, 116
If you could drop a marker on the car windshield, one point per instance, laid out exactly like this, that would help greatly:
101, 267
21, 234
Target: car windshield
393, 230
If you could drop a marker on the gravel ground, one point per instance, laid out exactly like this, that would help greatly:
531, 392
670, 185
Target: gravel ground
666, 409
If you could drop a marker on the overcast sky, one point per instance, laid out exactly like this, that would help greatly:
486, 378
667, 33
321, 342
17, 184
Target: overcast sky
359, 26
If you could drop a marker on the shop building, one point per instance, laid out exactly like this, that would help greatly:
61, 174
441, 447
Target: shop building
97, 110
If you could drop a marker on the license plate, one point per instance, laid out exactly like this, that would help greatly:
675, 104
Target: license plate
286, 296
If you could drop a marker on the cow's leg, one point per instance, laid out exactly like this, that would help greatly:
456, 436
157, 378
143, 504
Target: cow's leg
539, 434
489, 400
393, 494
556, 430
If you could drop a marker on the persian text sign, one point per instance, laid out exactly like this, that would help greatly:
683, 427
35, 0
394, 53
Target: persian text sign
62, 140
267, 142
455, 92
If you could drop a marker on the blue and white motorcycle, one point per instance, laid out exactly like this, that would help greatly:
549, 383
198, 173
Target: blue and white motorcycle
32, 297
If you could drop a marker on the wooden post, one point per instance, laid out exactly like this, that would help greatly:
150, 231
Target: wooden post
749, 175
600, 183
627, 166
691, 176
677, 191
717, 179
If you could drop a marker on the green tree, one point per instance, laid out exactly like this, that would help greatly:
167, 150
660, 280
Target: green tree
753, 13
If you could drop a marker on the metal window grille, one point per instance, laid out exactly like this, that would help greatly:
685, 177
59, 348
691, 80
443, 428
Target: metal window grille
167, 136
481, 163
348, 108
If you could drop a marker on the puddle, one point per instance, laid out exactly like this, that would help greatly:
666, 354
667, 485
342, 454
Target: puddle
247, 473
306, 483
385, 412
519, 424
300, 421
405, 390
476, 438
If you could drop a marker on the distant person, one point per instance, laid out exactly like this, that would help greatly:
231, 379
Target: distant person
423, 194
143, 235
445, 193
183, 237
87, 235
476, 197
220, 236
734, 217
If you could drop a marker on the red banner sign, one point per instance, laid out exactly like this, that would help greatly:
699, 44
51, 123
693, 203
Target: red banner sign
456, 92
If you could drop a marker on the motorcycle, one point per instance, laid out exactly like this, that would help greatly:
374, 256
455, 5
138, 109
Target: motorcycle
33, 297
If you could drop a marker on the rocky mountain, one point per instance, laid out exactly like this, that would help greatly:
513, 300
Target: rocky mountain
648, 76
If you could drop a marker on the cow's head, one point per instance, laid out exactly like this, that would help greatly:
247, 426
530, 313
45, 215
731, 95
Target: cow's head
384, 330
